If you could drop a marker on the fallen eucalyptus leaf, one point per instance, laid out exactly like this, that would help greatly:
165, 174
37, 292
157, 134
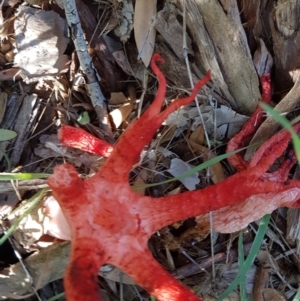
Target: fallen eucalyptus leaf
144, 31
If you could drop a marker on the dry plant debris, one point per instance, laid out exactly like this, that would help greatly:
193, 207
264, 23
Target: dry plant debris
21, 108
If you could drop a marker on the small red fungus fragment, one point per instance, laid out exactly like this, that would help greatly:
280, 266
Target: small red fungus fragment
242, 138
110, 223
79, 138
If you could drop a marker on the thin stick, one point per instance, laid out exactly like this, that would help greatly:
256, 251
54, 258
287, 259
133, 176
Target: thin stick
87, 66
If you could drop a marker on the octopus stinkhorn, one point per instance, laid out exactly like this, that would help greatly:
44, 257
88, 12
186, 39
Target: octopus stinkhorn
110, 223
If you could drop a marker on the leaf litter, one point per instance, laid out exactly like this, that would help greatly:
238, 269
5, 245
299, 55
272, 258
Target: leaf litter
221, 122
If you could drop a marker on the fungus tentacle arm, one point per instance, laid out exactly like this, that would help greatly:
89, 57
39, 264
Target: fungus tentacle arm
249, 128
238, 216
104, 213
66, 186
184, 101
157, 103
81, 277
234, 190
278, 143
149, 274
141, 131
79, 138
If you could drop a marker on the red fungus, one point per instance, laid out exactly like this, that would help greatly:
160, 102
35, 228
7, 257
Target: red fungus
110, 223
79, 138
236, 217
241, 139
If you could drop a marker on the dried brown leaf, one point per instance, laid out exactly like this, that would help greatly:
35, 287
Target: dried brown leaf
216, 170
141, 180
198, 135
117, 98
168, 134
119, 115
144, 31
273, 294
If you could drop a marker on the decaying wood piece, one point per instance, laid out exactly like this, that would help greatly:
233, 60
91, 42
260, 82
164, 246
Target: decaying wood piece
252, 13
218, 38
238, 69
25, 123
20, 116
285, 30
277, 23
174, 69
171, 30
205, 53
176, 72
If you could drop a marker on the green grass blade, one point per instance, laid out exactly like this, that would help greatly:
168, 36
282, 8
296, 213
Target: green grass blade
35, 201
6, 176
297, 296
243, 293
263, 226
57, 296
6, 158
286, 124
